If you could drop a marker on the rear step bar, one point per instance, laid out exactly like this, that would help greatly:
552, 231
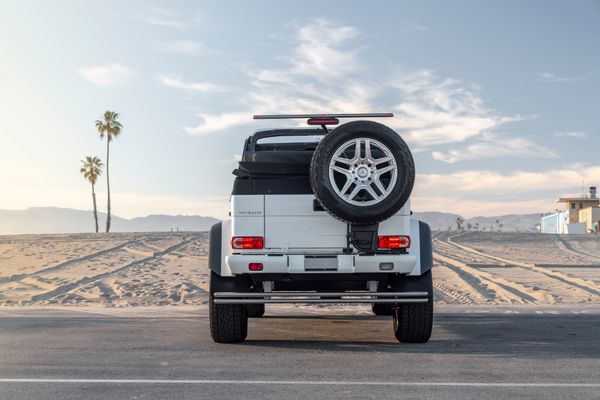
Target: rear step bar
317, 297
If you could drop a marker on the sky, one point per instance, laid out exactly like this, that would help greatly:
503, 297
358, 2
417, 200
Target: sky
499, 101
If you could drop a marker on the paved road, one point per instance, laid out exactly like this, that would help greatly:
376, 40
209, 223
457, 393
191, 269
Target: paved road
76, 355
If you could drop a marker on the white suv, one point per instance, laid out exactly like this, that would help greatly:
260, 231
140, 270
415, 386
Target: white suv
320, 216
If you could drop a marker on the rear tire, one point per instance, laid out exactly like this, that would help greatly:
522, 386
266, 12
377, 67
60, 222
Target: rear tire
413, 322
228, 322
255, 310
383, 309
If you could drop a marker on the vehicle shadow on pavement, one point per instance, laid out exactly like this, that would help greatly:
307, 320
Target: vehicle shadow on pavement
522, 336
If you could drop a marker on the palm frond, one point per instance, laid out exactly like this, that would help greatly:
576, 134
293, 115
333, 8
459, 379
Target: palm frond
111, 126
91, 168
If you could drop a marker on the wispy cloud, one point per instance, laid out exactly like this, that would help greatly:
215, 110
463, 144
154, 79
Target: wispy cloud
212, 123
106, 75
487, 192
496, 184
177, 82
319, 51
492, 146
571, 134
182, 47
434, 110
323, 73
552, 77
165, 18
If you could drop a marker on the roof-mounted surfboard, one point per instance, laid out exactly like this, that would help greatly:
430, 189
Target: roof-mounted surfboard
323, 119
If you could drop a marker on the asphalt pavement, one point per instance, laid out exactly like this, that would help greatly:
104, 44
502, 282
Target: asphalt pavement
480, 355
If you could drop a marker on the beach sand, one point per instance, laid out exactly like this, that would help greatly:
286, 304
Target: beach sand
170, 269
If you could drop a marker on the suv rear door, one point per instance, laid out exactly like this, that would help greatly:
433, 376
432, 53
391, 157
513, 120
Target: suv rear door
291, 222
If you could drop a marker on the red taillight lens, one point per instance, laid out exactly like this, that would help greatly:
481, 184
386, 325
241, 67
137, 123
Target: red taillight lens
323, 121
255, 267
247, 242
394, 242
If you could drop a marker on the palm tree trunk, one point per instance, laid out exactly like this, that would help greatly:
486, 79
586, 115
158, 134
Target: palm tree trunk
95, 209
107, 183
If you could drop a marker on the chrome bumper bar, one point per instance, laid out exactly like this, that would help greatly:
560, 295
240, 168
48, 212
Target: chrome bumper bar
319, 297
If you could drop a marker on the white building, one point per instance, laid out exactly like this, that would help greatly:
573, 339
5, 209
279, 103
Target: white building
558, 223
570, 220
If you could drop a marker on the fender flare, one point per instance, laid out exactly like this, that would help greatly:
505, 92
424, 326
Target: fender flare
214, 248
425, 247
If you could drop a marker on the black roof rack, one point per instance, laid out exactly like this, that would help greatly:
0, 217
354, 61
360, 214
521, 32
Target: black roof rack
293, 116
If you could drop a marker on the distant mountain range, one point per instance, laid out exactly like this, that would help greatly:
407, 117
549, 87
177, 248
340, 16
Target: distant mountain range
510, 222
66, 220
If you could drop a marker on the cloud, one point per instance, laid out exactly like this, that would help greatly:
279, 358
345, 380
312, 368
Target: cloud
322, 72
319, 51
471, 192
212, 123
435, 110
494, 146
182, 47
571, 134
165, 18
106, 75
496, 184
552, 77
176, 81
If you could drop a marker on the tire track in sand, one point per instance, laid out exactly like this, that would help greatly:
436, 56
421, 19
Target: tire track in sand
505, 290
63, 289
567, 246
584, 284
68, 263
455, 296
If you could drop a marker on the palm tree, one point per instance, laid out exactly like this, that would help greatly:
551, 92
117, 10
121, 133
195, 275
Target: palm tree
111, 127
91, 169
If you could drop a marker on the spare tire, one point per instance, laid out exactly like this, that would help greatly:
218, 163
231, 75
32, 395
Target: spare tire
362, 172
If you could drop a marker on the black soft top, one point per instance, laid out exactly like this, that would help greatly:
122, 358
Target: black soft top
277, 159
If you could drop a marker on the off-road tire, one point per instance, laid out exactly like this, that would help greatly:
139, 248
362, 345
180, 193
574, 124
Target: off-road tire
413, 322
383, 309
356, 214
228, 322
255, 310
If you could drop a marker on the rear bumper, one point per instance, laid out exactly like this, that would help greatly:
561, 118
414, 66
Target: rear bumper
319, 297
295, 264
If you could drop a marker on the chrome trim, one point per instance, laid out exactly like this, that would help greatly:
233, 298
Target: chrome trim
317, 301
316, 297
320, 294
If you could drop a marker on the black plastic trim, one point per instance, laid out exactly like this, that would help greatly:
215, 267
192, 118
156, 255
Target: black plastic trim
214, 248
426, 247
229, 284
321, 281
281, 185
406, 283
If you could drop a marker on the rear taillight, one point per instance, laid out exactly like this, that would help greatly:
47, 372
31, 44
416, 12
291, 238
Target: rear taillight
247, 242
394, 242
323, 121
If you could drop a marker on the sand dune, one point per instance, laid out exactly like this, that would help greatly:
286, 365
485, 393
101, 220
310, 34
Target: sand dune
159, 269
